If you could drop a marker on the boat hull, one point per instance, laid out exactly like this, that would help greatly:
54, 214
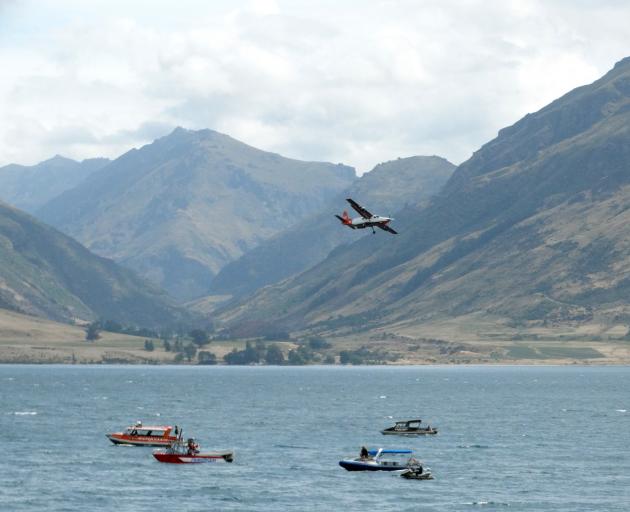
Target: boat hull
412, 475
410, 433
198, 458
140, 440
355, 465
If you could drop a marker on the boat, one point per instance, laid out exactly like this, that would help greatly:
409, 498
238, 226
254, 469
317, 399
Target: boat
139, 435
379, 460
409, 428
187, 452
415, 471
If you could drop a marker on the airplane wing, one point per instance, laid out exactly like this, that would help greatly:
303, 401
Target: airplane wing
359, 209
385, 227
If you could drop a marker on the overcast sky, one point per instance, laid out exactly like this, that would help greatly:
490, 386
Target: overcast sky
357, 82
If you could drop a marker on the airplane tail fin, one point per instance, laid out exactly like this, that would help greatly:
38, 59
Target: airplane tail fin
345, 219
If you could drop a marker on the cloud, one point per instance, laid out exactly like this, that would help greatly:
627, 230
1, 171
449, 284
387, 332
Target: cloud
356, 82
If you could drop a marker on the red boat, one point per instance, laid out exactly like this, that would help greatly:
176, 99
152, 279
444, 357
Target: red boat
139, 435
181, 452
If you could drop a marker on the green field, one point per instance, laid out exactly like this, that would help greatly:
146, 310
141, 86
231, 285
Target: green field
552, 352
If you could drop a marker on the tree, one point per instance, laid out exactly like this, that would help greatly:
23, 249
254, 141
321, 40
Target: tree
148, 345
300, 356
167, 345
274, 355
318, 343
252, 354
189, 351
345, 357
204, 357
92, 333
248, 356
199, 337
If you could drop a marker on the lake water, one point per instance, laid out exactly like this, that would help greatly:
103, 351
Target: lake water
521, 438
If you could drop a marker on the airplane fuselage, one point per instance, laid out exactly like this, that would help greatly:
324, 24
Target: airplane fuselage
367, 219
375, 220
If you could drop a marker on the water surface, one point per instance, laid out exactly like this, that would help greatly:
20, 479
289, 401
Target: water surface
527, 438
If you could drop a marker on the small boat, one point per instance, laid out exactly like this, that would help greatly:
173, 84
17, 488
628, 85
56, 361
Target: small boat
139, 435
379, 460
181, 452
409, 428
415, 471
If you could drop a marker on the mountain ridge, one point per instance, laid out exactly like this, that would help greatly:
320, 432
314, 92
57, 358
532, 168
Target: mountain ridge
502, 239
47, 274
30, 187
180, 208
386, 188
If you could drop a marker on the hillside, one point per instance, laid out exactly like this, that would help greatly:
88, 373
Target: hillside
28, 339
532, 231
386, 189
179, 209
30, 187
45, 273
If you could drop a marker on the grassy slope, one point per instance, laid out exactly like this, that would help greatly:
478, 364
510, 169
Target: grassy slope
25, 339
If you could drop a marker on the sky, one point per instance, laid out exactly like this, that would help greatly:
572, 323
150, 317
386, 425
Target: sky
358, 82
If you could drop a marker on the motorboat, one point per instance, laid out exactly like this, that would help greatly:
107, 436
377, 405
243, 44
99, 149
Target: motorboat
139, 435
409, 428
187, 452
379, 460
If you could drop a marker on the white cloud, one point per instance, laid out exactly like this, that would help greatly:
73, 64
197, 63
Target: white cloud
357, 82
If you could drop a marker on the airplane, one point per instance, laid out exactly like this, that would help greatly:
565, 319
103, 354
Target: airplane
367, 220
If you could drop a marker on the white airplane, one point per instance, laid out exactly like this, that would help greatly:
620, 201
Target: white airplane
367, 220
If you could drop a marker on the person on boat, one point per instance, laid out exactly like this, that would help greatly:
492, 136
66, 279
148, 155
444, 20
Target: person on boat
192, 447
364, 454
415, 466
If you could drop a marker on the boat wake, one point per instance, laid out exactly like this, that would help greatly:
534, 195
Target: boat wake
488, 503
291, 447
24, 413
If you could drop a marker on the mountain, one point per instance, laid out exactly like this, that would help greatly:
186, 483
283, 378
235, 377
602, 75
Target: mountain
30, 187
386, 189
533, 230
179, 209
45, 273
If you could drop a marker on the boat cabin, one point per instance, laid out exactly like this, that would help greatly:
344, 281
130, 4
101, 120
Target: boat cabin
391, 458
147, 431
408, 425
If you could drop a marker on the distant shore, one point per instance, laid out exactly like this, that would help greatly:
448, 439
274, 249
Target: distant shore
32, 340
94, 354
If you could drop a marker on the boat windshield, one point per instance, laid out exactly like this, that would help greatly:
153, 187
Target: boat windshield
399, 456
132, 431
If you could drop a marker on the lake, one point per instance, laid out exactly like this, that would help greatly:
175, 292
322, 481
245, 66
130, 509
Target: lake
516, 438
